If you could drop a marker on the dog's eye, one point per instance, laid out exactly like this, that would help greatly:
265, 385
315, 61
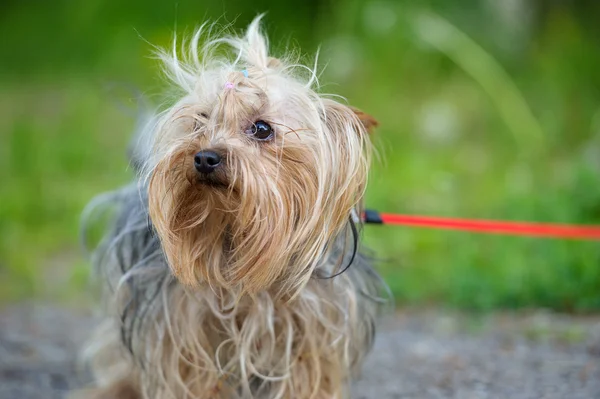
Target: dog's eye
261, 130
199, 120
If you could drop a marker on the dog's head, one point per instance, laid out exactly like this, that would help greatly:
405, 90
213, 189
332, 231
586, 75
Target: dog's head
252, 173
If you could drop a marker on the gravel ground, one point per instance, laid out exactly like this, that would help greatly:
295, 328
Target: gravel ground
418, 354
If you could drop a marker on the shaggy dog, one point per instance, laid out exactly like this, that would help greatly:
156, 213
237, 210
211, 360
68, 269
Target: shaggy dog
232, 269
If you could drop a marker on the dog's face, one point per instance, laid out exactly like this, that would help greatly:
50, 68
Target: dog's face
252, 173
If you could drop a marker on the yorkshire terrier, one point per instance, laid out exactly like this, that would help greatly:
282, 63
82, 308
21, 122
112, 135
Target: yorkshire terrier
232, 268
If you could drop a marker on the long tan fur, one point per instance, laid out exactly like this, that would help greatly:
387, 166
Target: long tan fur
244, 308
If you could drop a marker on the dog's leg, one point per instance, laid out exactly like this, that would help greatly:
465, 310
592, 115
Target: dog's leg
123, 389
114, 372
316, 378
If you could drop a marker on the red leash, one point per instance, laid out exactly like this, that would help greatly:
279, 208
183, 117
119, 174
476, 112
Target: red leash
487, 226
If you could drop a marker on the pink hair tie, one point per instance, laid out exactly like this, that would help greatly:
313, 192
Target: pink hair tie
229, 85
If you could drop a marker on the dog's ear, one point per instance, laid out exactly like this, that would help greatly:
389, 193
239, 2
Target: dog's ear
273, 63
338, 117
368, 121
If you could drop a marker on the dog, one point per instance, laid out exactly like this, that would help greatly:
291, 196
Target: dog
232, 268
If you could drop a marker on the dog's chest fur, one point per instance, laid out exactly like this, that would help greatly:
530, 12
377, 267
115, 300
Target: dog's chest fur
190, 341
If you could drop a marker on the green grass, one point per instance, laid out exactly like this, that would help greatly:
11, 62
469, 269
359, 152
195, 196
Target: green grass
468, 129
52, 163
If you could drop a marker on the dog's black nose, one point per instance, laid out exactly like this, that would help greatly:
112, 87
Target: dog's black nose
206, 161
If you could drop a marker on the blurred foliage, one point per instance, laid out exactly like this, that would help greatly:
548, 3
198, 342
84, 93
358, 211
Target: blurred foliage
488, 109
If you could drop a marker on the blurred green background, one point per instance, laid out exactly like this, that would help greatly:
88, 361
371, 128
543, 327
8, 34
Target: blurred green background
488, 109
